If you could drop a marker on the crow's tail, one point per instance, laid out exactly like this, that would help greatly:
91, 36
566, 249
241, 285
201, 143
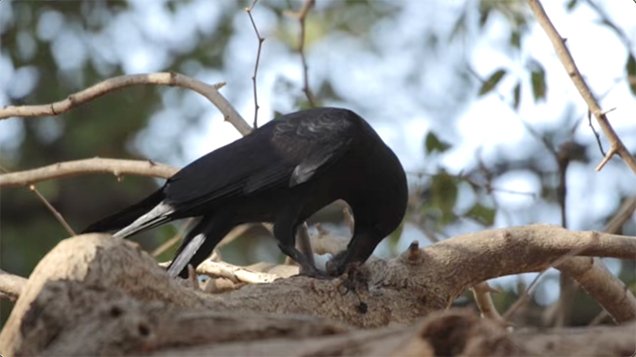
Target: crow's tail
126, 216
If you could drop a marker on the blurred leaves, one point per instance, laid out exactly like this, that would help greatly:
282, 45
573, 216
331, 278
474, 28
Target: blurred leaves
630, 67
443, 197
482, 214
516, 96
492, 81
571, 4
537, 80
433, 144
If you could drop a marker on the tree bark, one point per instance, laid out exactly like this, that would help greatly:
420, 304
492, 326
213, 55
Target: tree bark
93, 294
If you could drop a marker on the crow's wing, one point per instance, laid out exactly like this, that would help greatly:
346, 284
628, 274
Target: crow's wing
313, 143
283, 153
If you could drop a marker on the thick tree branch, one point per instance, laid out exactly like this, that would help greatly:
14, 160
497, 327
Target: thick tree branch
96, 283
617, 146
87, 166
607, 290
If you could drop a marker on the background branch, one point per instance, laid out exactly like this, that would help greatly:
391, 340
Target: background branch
11, 286
617, 146
115, 83
258, 58
116, 167
58, 216
95, 275
302, 17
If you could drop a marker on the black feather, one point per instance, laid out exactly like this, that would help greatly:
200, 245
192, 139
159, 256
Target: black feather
126, 216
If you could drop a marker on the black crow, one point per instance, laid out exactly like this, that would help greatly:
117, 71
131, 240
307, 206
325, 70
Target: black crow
281, 173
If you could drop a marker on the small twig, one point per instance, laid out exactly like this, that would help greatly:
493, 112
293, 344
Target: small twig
623, 214
466, 177
172, 241
599, 318
302, 16
525, 296
607, 21
258, 58
608, 156
596, 134
48, 205
55, 212
234, 273
564, 55
481, 293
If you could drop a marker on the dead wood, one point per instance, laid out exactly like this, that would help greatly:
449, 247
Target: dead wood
93, 293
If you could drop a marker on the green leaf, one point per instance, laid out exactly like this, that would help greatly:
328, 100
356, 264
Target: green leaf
516, 95
484, 13
444, 195
394, 238
492, 81
515, 39
482, 214
459, 28
537, 78
432, 143
571, 4
631, 72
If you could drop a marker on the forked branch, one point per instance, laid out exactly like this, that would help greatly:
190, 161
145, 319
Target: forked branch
617, 146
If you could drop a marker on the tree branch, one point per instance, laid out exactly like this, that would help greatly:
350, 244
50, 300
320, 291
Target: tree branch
87, 166
617, 146
95, 280
258, 59
607, 290
301, 15
58, 216
115, 83
11, 285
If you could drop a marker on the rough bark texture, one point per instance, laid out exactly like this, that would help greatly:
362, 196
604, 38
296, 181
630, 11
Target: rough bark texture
93, 294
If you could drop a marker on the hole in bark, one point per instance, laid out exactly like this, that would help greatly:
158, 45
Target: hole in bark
116, 311
549, 346
362, 308
143, 330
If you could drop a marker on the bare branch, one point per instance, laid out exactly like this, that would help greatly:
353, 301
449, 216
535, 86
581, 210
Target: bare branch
607, 290
115, 83
302, 16
80, 167
481, 293
11, 286
400, 290
174, 240
54, 211
622, 215
564, 55
258, 58
605, 19
235, 273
